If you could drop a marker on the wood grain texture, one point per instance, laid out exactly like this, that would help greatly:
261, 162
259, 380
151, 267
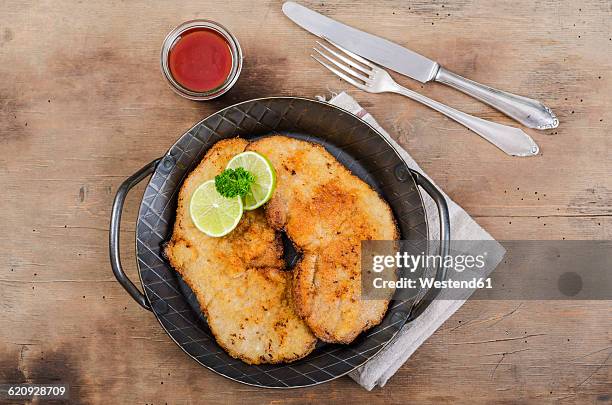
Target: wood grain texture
83, 105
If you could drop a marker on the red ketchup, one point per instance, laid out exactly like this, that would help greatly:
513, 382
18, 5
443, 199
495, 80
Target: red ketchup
201, 60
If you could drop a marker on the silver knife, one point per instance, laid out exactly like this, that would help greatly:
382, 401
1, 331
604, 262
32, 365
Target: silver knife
528, 112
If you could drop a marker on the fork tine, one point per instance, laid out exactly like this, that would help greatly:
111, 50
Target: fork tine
339, 73
343, 67
351, 54
345, 59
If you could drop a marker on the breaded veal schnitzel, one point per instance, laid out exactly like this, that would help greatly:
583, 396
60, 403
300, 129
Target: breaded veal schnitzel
326, 211
239, 280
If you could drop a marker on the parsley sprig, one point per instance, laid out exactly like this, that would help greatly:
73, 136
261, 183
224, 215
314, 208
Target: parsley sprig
233, 182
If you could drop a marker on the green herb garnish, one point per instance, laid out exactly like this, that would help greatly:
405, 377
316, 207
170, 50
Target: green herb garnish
233, 182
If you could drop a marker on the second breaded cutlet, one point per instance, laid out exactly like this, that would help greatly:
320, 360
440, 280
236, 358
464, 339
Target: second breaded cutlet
326, 211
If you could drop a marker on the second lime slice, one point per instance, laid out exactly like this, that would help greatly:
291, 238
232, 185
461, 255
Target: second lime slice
212, 213
265, 177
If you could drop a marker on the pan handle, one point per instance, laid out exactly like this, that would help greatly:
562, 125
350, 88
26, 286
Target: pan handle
115, 223
420, 306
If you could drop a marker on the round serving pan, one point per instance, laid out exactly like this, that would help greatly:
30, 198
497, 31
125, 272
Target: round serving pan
354, 143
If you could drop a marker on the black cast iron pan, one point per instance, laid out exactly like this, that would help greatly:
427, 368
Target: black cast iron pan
355, 144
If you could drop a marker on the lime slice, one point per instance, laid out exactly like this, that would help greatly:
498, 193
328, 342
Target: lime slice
265, 177
212, 213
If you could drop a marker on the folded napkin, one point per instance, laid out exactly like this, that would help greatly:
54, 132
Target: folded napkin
381, 367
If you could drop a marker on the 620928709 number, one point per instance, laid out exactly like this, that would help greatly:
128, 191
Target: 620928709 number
22, 391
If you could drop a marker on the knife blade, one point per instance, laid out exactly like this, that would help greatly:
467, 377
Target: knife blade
528, 112
369, 46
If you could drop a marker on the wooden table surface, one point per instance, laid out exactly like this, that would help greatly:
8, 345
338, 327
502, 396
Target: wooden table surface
83, 105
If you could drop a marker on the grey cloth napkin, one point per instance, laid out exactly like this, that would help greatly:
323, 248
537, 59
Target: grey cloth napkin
381, 367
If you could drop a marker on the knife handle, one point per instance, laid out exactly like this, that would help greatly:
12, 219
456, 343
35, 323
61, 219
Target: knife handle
528, 112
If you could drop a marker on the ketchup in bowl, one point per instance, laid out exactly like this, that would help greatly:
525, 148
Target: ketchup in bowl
201, 59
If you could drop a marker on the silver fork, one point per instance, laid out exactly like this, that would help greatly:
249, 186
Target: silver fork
369, 77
